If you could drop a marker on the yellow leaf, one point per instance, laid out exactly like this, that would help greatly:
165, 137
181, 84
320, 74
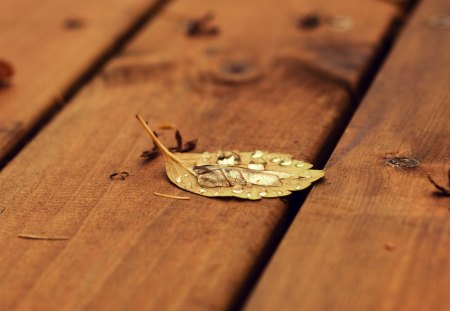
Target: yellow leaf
246, 175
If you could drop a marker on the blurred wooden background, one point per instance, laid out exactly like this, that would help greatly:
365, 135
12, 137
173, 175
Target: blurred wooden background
360, 87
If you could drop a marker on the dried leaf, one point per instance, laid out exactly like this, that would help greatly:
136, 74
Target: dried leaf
246, 175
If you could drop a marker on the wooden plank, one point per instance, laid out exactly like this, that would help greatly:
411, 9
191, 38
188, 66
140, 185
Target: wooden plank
129, 249
51, 45
375, 236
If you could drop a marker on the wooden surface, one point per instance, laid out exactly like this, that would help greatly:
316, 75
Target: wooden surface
51, 45
252, 86
373, 236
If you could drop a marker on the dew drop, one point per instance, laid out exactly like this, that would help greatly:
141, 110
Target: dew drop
262, 194
298, 187
229, 158
178, 179
206, 155
216, 193
276, 160
249, 195
202, 190
300, 164
286, 162
237, 190
186, 175
257, 154
256, 166
279, 192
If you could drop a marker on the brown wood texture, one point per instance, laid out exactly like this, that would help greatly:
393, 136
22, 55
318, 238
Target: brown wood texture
374, 236
244, 88
51, 45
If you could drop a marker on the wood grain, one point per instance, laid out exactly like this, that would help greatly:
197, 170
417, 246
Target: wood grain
130, 249
375, 236
51, 45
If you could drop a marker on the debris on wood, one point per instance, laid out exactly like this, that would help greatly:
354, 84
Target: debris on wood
2, 209
121, 175
6, 73
402, 162
150, 154
442, 190
166, 126
389, 246
310, 21
170, 196
201, 26
42, 237
246, 175
73, 23
180, 147
188, 146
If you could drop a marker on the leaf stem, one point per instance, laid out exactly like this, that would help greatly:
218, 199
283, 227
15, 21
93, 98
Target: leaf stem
157, 142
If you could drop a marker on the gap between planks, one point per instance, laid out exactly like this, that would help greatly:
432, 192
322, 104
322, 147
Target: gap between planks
58, 105
281, 223
296, 200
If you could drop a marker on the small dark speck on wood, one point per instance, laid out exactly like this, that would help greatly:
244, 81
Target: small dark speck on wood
73, 23
402, 162
389, 246
201, 26
2, 209
309, 22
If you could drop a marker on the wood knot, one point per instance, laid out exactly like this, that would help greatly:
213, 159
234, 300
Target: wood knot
236, 72
402, 162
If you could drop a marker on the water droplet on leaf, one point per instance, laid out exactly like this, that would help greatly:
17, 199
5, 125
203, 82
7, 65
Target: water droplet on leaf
286, 162
257, 154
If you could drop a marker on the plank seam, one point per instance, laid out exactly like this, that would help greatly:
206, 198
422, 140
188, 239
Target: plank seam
97, 65
297, 199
